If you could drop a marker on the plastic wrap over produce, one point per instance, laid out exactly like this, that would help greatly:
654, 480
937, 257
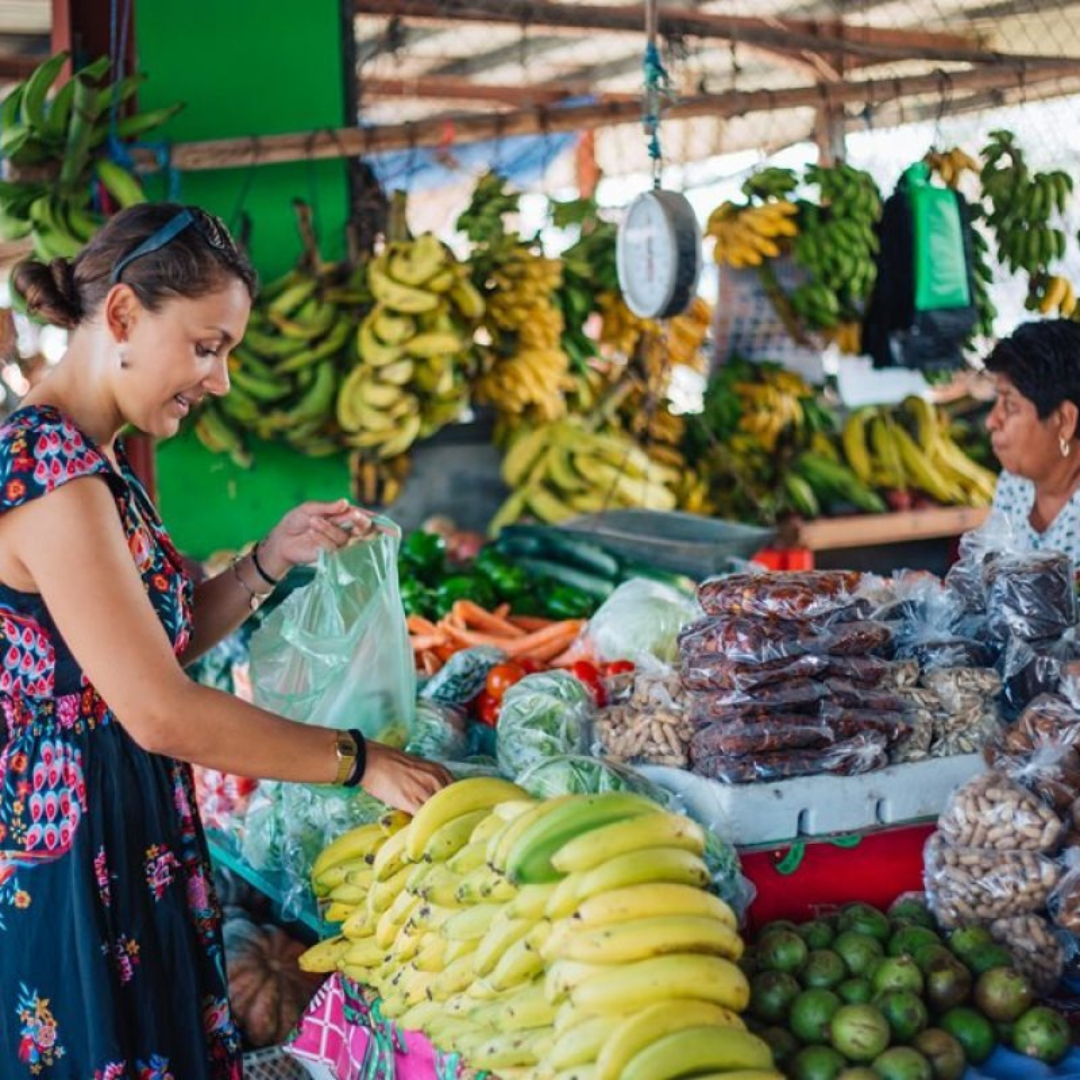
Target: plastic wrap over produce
543, 716
336, 652
641, 621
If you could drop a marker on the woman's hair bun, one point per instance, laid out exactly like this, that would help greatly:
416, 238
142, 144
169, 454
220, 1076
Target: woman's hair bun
49, 291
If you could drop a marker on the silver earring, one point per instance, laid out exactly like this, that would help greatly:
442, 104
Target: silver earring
122, 353
1065, 446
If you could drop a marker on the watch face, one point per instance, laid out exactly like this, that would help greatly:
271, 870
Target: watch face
658, 254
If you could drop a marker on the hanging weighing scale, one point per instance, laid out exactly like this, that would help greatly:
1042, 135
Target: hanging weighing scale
658, 245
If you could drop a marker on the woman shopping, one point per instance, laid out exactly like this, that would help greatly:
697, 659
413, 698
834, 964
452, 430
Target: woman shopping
111, 961
1034, 431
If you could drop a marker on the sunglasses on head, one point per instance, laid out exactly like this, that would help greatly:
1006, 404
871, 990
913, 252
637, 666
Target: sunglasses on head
208, 228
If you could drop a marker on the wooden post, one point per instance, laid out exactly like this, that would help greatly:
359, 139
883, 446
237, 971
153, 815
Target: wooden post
586, 166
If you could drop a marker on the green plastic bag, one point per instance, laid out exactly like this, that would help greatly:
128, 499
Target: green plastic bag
336, 652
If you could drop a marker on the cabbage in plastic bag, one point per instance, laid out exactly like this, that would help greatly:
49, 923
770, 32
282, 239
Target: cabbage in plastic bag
543, 716
641, 621
438, 732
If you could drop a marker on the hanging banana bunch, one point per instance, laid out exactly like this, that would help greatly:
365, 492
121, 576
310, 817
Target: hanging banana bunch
951, 165
524, 371
54, 152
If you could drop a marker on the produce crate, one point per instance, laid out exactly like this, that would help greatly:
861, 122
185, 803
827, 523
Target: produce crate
273, 1064
805, 879
748, 814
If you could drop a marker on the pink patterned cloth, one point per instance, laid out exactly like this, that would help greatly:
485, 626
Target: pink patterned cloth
333, 1041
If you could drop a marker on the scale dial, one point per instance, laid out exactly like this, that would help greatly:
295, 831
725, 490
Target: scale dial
658, 255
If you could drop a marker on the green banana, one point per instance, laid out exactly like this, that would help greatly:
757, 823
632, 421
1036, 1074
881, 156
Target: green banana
120, 184
36, 90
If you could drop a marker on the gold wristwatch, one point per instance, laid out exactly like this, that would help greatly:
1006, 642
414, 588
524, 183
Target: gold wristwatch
351, 756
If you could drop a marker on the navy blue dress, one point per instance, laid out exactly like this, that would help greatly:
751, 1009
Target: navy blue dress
111, 959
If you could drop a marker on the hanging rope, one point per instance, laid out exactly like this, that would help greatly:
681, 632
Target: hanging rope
657, 84
119, 151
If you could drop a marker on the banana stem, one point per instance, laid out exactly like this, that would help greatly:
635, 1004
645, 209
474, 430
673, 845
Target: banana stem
782, 304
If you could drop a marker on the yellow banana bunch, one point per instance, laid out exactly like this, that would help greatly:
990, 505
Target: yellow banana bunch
525, 372
620, 328
1057, 295
950, 165
772, 405
571, 936
748, 235
413, 350
561, 469
284, 375
910, 448
847, 336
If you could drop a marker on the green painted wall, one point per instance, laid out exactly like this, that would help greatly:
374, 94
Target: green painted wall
247, 68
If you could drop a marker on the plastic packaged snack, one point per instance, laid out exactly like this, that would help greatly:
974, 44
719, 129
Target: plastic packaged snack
1052, 772
651, 725
915, 746
798, 695
1030, 595
1033, 668
1037, 950
1051, 719
761, 641
716, 672
847, 723
953, 683
968, 885
873, 671
946, 651
993, 811
849, 696
806, 594
739, 739
859, 755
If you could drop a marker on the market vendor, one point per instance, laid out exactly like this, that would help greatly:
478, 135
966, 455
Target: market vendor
1034, 431
111, 961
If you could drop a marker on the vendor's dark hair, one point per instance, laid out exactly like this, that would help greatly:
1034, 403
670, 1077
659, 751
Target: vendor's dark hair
195, 261
1042, 360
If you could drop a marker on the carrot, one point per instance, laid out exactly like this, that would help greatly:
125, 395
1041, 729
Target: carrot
546, 653
502, 611
431, 663
473, 639
423, 642
563, 632
578, 650
475, 617
417, 624
530, 622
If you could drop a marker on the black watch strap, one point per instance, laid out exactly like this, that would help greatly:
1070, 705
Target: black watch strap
360, 764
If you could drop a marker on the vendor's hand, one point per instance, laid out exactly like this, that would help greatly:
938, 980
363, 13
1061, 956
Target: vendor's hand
401, 780
312, 527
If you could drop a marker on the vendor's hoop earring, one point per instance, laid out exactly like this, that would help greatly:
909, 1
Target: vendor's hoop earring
1065, 446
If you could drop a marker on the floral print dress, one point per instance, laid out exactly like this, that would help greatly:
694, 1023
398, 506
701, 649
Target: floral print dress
111, 958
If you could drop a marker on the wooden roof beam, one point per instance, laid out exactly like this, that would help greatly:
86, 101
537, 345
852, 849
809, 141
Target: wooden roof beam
868, 44
356, 142
434, 88
15, 67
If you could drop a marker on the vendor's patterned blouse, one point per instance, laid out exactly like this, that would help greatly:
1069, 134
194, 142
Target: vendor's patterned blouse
1015, 496
111, 959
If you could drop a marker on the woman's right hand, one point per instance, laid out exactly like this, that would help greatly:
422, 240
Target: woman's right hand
401, 780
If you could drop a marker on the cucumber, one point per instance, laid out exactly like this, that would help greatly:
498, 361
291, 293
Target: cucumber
599, 587
544, 542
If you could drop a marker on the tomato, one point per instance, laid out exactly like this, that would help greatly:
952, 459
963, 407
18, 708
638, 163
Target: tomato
532, 666
487, 709
589, 674
618, 667
502, 676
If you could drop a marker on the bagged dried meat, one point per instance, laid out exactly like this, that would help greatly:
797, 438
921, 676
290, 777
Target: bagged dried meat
716, 672
853, 756
738, 739
761, 641
1030, 595
809, 594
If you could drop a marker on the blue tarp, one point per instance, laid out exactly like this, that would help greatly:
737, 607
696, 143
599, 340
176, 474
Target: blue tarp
522, 159
1008, 1065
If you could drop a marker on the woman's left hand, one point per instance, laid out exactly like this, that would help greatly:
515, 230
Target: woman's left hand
312, 527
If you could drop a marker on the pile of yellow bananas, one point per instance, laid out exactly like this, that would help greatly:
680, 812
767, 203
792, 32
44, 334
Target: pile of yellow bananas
412, 349
572, 937
526, 370
564, 468
748, 235
772, 404
882, 453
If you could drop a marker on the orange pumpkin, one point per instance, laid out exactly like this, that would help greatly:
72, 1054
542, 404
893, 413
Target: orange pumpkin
267, 989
